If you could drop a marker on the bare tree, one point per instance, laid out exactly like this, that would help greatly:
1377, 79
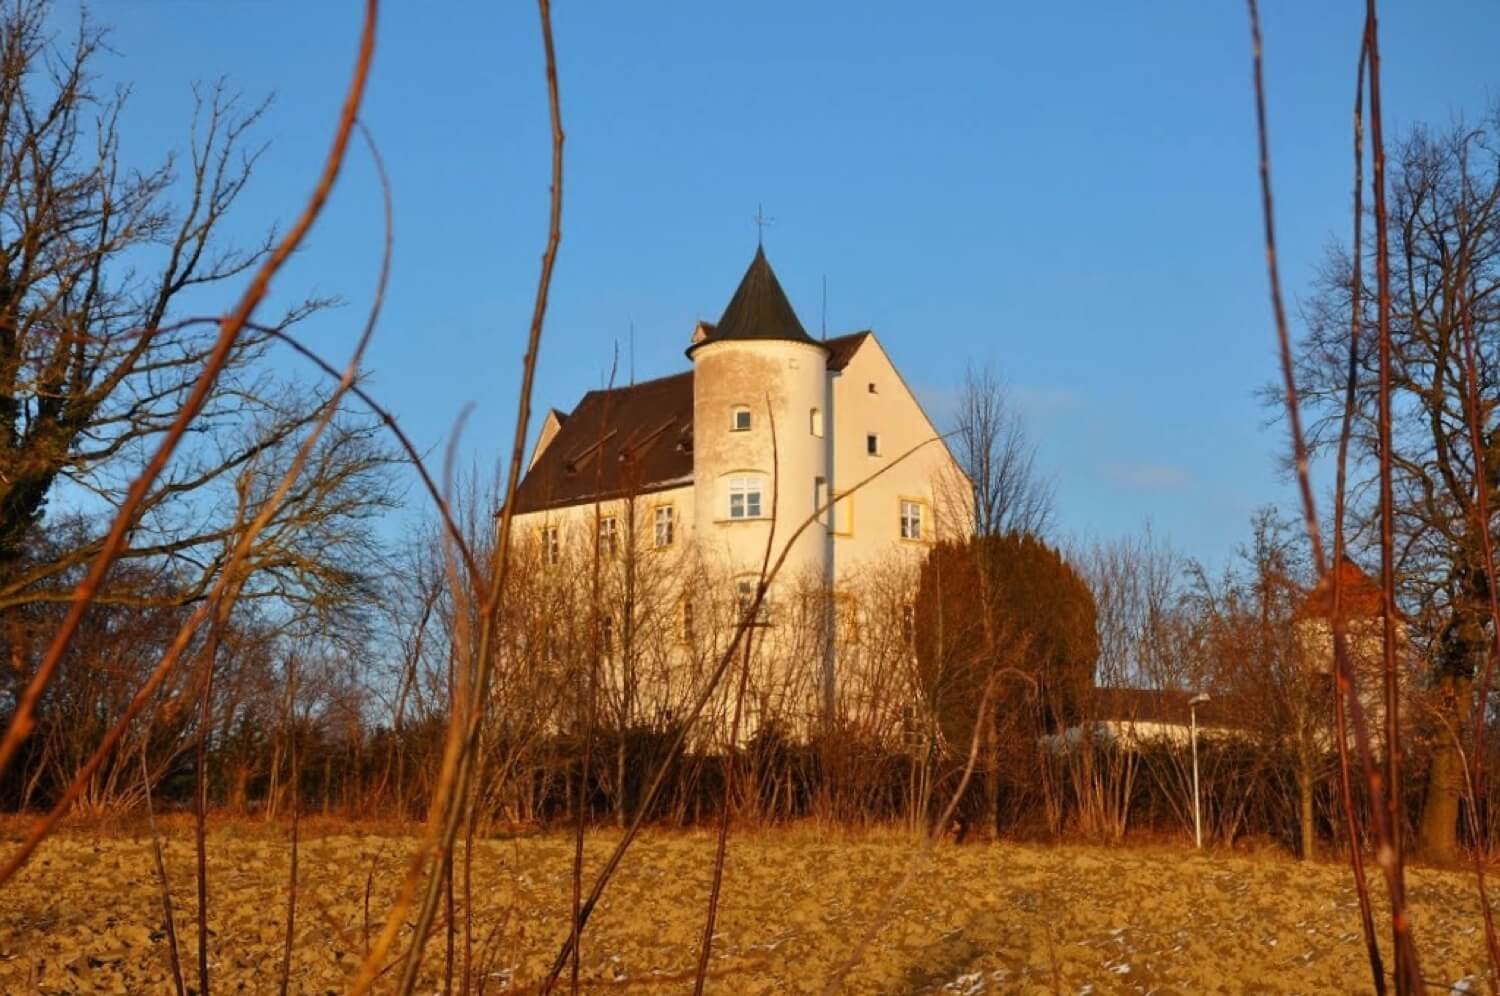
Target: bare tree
1009, 493
96, 353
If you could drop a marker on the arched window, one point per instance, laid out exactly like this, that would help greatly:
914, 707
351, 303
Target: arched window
815, 422
739, 418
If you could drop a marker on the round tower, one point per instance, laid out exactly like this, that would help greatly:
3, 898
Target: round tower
756, 371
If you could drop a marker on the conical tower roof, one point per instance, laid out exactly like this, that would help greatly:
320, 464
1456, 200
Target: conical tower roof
1361, 595
759, 309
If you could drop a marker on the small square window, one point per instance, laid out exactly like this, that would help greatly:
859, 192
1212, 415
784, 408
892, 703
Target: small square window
739, 419
872, 388
872, 444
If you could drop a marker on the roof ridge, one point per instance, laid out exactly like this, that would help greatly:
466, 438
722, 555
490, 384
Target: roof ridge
631, 387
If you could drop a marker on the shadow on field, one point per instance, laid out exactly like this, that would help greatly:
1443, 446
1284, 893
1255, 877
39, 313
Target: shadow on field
952, 955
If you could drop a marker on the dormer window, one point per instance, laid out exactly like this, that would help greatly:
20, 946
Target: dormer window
739, 418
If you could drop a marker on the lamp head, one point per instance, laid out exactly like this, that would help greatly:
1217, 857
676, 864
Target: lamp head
1199, 699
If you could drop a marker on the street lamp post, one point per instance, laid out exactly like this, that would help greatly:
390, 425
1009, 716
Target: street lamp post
1193, 704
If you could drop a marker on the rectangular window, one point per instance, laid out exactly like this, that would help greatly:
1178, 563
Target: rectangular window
607, 634
744, 592
687, 621
872, 444
739, 419
909, 624
551, 545
665, 526
608, 534
911, 520
744, 497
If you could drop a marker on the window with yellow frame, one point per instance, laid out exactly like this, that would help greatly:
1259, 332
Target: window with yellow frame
843, 515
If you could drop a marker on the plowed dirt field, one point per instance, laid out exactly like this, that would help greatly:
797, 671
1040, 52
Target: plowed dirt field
85, 916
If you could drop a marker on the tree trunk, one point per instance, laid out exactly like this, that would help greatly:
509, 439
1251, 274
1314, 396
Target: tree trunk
622, 800
239, 789
991, 783
1305, 806
1437, 837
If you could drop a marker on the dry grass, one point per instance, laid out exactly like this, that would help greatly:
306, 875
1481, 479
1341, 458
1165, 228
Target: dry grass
85, 916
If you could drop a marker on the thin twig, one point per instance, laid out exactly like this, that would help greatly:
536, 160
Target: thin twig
591, 713
1390, 856
200, 786
1344, 684
722, 843
457, 766
169, 920
296, 802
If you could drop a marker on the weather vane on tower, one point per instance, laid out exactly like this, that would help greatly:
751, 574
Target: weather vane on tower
761, 221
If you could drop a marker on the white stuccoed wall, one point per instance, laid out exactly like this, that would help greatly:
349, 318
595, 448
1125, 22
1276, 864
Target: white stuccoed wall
782, 379
928, 475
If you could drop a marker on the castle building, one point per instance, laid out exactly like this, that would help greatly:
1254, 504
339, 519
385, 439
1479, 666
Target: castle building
772, 436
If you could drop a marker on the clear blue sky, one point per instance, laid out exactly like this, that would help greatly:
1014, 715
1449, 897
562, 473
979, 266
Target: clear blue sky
1068, 191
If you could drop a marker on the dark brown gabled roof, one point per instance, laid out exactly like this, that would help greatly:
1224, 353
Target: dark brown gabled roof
759, 309
629, 440
841, 349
